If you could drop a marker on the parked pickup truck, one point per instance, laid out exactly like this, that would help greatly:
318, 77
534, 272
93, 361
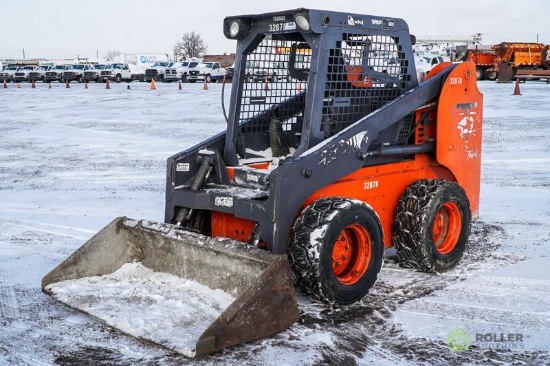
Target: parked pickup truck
179, 71
75, 72
22, 74
55, 73
157, 70
116, 72
92, 74
38, 73
7, 74
209, 71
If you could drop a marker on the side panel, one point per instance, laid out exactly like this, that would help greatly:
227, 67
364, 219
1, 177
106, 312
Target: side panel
459, 124
382, 186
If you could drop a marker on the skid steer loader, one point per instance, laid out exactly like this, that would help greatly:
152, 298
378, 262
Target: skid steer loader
334, 151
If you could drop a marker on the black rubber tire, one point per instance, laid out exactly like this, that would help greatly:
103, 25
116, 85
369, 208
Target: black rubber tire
118, 78
480, 73
311, 249
413, 225
492, 75
208, 78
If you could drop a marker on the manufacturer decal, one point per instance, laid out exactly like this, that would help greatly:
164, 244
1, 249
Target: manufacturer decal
223, 201
344, 147
182, 167
355, 21
466, 125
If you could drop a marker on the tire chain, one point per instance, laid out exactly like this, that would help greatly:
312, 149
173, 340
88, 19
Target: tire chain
303, 259
407, 230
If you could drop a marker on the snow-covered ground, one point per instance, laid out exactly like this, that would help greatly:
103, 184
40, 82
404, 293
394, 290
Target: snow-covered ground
73, 159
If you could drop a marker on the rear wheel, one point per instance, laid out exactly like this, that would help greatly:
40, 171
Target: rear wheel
492, 75
432, 225
336, 250
479, 73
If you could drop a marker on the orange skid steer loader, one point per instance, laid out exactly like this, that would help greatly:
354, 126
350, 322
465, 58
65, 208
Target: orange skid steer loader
333, 152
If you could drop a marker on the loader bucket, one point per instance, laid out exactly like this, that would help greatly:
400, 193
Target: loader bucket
185, 291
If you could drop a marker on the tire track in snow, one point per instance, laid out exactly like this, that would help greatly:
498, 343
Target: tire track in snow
9, 307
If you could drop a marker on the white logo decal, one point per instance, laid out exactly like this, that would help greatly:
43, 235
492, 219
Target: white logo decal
223, 201
354, 21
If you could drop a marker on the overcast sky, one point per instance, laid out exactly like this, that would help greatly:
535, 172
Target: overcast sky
68, 29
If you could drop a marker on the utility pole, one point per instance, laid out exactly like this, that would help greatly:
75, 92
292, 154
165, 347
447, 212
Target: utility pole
23, 53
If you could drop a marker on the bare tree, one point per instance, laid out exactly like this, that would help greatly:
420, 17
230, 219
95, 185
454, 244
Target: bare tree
111, 54
191, 45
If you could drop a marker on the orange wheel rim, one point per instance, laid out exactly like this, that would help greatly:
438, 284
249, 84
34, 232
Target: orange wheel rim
447, 227
351, 254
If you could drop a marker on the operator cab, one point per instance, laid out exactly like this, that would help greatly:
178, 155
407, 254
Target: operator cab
303, 76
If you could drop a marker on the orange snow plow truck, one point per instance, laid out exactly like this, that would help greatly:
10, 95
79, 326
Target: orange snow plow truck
333, 152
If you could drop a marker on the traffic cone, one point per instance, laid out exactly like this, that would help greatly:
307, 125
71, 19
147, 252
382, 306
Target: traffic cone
107, 86
179, 86
516, 89
49, 85
205, 86
5, 84
32, 85
266, 86
153, 86
128, 87
85, 85
18, 86
67, 84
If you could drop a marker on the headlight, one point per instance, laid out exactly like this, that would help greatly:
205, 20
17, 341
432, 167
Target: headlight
302, 22
236, 28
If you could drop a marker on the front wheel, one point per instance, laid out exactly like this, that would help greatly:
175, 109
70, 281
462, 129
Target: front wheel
208, 78
432, 225
336, 250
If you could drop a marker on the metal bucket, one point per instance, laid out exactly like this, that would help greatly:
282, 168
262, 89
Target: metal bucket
185, 291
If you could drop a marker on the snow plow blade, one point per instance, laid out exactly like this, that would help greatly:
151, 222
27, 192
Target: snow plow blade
185, 291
